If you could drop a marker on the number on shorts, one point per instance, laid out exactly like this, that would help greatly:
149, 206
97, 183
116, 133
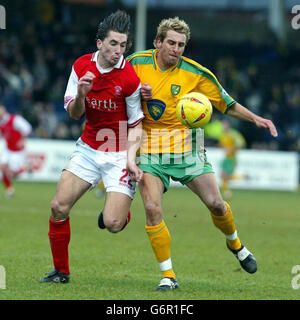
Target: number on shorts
123, 178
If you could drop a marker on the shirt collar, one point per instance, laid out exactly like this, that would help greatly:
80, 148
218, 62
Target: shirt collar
119, 65
156, 66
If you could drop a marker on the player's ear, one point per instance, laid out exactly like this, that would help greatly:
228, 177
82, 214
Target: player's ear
158, 43
99, 44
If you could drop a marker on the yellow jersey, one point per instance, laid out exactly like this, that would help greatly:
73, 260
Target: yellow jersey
231, 141
163, 133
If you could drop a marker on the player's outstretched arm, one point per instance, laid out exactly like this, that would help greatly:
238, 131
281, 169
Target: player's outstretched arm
242, 113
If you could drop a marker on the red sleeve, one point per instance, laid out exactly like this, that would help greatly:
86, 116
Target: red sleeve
81, 64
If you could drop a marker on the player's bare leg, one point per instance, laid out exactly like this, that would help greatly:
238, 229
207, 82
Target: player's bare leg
151, 189
7, 176
115, 214
70, 188
205, 186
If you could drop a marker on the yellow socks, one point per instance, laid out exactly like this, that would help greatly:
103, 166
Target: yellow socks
224, 186
160, 240
227, 226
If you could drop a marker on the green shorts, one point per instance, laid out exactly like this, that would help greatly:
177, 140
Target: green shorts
180, 167
228, 165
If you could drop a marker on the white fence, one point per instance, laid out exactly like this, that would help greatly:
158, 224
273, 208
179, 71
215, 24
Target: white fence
268, 170
265, 170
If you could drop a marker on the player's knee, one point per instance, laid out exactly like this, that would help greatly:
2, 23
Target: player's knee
217, 207
59, 211
113, 225
153, 212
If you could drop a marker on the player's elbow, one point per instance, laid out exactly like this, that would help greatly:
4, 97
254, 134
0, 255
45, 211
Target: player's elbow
76, 109
74, 115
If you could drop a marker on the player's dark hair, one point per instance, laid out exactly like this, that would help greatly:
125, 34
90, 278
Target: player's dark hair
118, 21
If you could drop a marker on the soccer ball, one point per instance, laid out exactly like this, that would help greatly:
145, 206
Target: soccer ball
194, 110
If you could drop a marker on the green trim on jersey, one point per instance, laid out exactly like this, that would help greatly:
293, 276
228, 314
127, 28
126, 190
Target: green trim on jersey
198, 70
229, 106
147, 57
141, 60
139, 53
142, 57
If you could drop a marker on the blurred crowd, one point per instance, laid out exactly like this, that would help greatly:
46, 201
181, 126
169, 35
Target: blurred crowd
36, 57
266, 82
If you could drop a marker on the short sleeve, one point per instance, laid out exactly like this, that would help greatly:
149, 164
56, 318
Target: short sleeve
71, 90
210, 86
22, 125
134, 108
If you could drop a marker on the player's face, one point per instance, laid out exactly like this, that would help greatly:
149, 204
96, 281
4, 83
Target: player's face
111, 49
171, 49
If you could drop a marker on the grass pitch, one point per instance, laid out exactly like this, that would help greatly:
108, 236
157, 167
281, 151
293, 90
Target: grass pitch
122, 266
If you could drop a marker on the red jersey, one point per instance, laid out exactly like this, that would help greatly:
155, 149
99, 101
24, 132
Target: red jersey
13, 128
112, 105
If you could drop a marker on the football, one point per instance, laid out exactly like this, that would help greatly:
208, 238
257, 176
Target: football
194, 110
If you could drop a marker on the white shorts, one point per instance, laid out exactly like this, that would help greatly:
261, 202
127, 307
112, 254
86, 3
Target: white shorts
91, 165
14, 159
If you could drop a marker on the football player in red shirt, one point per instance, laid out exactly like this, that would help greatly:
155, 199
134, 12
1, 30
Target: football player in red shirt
104, 88
14, 129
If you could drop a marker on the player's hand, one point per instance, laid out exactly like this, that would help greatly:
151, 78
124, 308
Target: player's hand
146, 91
267, 124
85, 84
134, 171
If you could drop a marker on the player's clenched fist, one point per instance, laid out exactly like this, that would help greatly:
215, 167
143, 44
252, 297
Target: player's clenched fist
146, 91
85, 84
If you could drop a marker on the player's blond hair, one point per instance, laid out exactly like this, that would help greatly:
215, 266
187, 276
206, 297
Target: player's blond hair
174, 24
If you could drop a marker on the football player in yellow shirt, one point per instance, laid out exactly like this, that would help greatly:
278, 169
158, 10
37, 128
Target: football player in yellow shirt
166, 76
231, 141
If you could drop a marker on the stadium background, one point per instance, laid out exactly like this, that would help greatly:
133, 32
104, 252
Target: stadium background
259, 67
250, 46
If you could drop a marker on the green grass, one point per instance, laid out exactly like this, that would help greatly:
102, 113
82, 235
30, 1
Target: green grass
122, 266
